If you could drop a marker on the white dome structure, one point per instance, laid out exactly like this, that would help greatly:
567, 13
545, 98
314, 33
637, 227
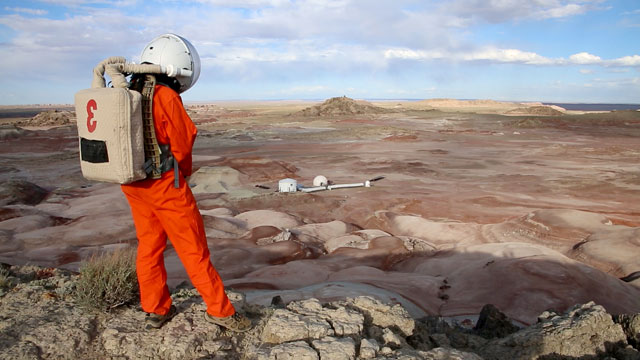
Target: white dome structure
320, 181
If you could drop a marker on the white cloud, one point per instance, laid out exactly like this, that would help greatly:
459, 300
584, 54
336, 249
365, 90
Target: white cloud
297, 57
509, 56
488, 54
633, 60
332, 22
340, 34
563, 11
513, 56
404, 54
585, 58
26, 10
56, 49
497, 11
252, 4
409, 54
586, 71
284, 41
78, 3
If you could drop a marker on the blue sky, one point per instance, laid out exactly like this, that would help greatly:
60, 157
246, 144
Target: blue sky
526, 50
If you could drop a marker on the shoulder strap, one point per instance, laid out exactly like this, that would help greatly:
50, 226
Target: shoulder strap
158, 158
151, 148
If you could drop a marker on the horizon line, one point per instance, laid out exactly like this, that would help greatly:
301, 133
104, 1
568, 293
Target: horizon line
366, 99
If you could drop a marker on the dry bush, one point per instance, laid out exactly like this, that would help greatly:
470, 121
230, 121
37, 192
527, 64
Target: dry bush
5, 280
108, 280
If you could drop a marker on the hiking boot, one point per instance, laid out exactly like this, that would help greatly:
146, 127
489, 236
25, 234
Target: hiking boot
155, 321
236, 322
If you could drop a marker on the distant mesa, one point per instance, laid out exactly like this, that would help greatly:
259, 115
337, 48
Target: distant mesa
492, 107
542, 110
342, 106
455, 103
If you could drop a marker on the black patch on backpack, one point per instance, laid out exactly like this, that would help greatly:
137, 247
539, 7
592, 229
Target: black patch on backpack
93, 151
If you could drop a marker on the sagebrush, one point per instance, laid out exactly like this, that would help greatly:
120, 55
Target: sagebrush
108, 280
5, 281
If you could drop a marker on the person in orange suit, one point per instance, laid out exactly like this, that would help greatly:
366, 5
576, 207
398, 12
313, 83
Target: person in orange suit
163, 210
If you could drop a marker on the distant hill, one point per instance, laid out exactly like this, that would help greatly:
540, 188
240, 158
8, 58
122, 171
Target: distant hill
455, 103
543, 110
50, 118
342, 106
490, 107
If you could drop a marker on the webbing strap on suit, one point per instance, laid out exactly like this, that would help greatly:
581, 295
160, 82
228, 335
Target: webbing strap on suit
158, 157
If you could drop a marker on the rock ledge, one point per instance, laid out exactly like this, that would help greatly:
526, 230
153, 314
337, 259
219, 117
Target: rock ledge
40, 320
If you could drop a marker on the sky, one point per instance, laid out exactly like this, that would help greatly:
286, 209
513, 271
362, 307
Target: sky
585, 51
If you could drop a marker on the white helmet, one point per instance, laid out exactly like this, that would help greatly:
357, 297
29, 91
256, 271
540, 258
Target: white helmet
174, 52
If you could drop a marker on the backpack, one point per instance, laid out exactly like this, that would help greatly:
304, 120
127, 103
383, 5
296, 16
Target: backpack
115, 129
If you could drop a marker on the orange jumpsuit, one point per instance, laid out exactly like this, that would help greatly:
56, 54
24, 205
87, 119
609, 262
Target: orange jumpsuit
160, 210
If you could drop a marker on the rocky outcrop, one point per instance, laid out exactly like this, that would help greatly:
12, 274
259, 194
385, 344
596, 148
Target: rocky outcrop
51, 118
10, 131
21, 192
583, 330
631, 327
342, 106
40, 320
541, 110
493, 323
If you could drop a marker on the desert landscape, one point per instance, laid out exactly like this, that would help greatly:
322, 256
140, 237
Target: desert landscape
524, 206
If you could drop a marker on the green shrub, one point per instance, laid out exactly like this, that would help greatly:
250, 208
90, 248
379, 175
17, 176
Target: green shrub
108, 280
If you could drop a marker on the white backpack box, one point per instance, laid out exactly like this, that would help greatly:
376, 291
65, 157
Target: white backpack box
110, 131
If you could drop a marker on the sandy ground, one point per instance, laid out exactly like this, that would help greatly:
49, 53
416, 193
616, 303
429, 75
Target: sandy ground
479, 204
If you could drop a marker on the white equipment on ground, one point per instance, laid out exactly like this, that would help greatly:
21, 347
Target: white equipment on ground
320, 183
114, 124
